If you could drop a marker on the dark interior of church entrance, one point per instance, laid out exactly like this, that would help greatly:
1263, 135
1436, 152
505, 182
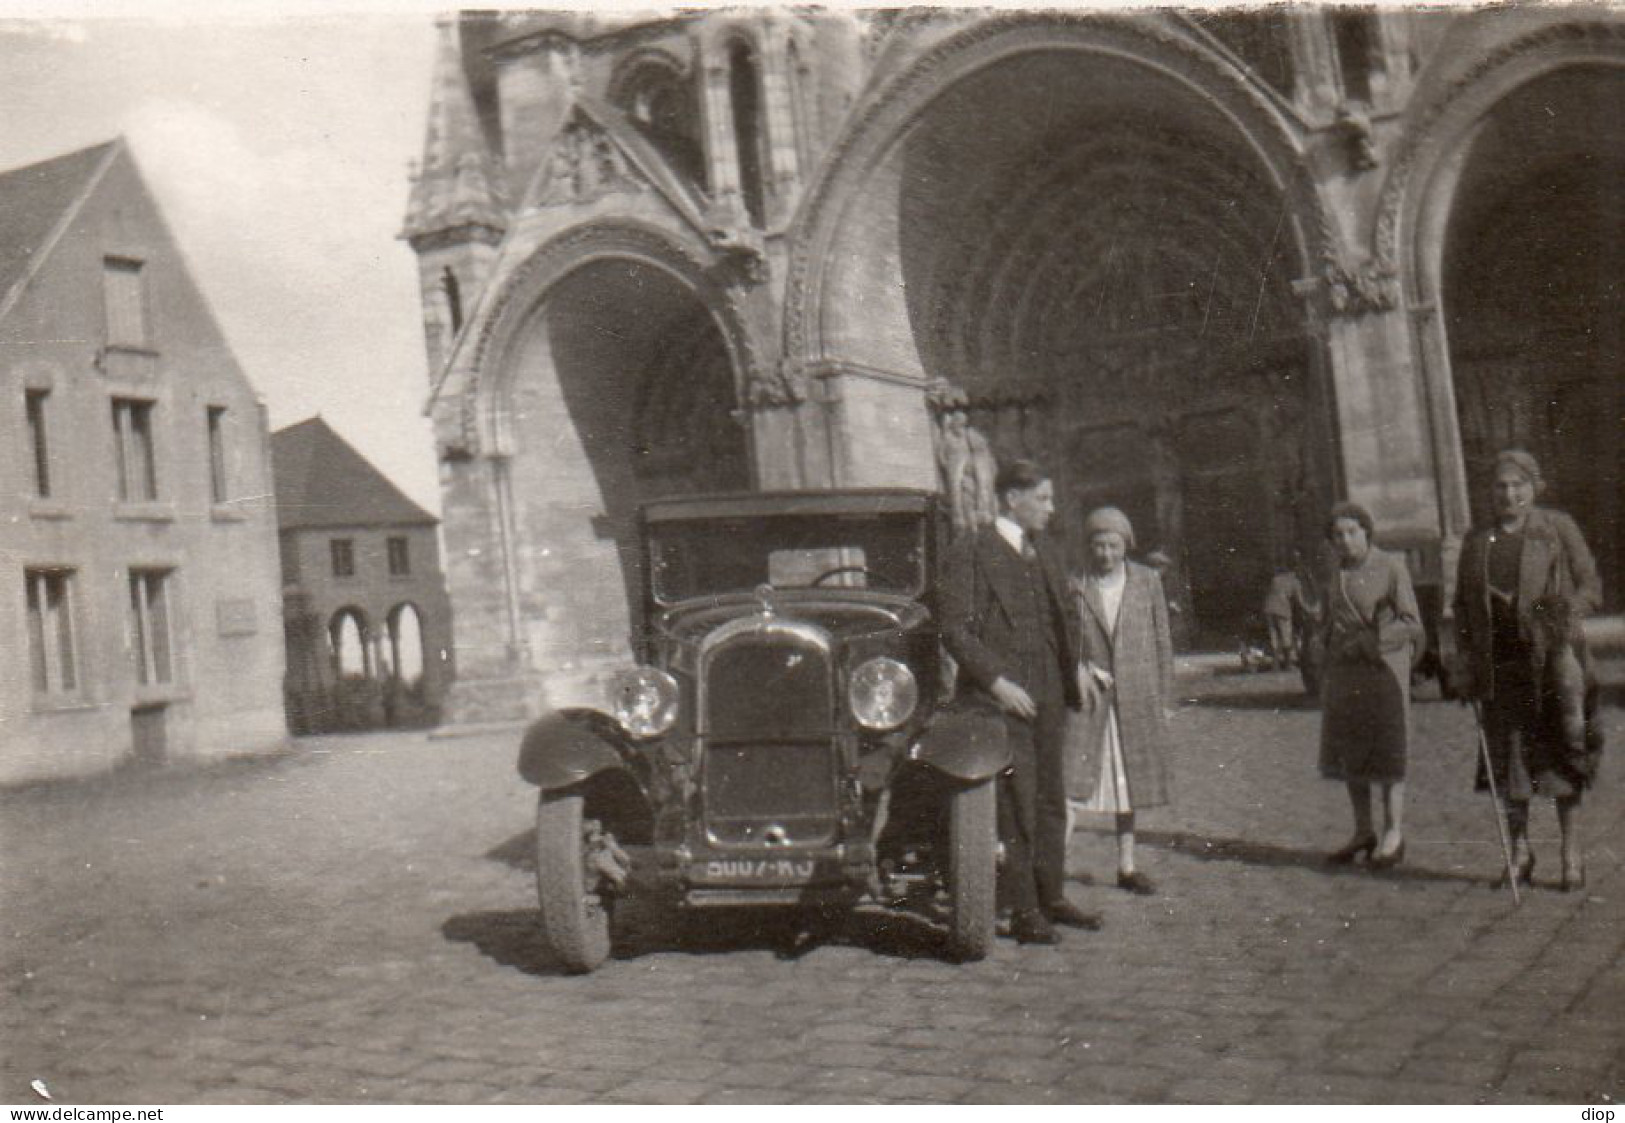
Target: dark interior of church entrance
649, 384
1096, 255
1534, 268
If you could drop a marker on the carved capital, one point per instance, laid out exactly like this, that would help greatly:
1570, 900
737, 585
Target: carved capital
781, 388
1341, 291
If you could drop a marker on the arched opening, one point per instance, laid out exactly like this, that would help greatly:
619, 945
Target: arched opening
621, 390
454, 298
660, 99
1532, 278
347, 640
744, 91
1100, 256
406, 644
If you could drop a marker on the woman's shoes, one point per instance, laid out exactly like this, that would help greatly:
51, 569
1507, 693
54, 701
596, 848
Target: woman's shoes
1353, 850
1389, 860
1574, 875
1137, 883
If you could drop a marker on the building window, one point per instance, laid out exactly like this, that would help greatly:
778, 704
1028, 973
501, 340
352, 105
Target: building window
744, 90
400, 559
150, 639
50, 630
454, 298
343, 557
217, 453
125, 296
38, 441
132, 431
1354, 32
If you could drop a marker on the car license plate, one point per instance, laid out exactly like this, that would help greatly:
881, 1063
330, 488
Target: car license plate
777, 871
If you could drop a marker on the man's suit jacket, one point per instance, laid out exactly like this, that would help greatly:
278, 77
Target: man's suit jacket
987, 582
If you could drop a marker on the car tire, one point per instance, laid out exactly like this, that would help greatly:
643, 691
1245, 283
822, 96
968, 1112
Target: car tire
575, 917
972, 849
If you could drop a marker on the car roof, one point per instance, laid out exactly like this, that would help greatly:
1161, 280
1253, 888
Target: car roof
757, 504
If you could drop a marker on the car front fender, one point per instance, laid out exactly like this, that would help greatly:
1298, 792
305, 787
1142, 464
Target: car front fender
967, 743
567, 748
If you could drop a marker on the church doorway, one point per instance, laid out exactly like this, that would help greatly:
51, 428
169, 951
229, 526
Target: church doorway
1099, 258
623, 391
1534, 299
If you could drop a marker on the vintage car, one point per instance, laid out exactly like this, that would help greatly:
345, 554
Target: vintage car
783, 739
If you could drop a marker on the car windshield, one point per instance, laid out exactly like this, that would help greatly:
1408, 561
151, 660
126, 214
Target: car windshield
693, 558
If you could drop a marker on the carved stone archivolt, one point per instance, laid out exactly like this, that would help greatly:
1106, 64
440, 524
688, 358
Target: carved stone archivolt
900, 103
1565, 43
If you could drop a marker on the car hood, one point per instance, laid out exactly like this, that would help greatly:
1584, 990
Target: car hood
845, 616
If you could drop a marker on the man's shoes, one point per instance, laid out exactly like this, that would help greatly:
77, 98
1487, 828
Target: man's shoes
1137, 883
1070, 915
1031, 926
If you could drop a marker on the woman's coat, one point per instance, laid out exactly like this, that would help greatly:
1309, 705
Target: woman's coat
1139, 654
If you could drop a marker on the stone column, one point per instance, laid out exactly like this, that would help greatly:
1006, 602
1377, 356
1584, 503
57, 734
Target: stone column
1386, 420
880, 426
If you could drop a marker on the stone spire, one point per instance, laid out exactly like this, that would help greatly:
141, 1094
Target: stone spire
458, 184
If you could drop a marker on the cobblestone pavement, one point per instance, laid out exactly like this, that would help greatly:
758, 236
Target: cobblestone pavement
355, 922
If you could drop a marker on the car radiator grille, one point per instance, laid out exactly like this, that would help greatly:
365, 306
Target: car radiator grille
769, 765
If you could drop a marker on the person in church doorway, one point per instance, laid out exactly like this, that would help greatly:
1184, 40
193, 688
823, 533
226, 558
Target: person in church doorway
1118, 752
1008, 623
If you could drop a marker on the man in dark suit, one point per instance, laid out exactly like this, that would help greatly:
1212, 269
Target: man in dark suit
1010, 626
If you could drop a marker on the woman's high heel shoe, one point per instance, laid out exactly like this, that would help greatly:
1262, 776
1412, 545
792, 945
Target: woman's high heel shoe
1390, 860
1574, 877
1526, 872
1353, 850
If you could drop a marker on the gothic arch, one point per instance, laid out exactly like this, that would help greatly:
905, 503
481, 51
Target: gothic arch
1435, 177
486, 415
1420, 185
881, 126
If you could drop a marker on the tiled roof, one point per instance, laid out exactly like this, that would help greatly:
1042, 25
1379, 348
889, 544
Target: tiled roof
33, 200
322, 482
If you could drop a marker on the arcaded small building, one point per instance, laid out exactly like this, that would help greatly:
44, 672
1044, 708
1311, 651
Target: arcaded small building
140, 606
365, 610
1218, 268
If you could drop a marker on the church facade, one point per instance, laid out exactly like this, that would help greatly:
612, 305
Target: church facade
1218, 269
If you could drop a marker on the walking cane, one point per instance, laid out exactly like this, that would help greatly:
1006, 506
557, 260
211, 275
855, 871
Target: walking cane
1495, 800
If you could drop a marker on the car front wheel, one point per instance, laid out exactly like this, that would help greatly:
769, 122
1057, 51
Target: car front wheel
972, 846
570, 891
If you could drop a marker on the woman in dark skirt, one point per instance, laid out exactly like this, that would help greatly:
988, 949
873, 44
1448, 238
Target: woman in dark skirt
1523, 584
1369, 625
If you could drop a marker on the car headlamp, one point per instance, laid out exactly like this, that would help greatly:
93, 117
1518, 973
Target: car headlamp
883, 694
644, 700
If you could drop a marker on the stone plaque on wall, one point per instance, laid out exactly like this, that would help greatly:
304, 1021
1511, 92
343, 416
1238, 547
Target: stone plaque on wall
235, 617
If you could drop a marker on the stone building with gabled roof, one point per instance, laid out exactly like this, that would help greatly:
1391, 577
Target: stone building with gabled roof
366, 616
138, 586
